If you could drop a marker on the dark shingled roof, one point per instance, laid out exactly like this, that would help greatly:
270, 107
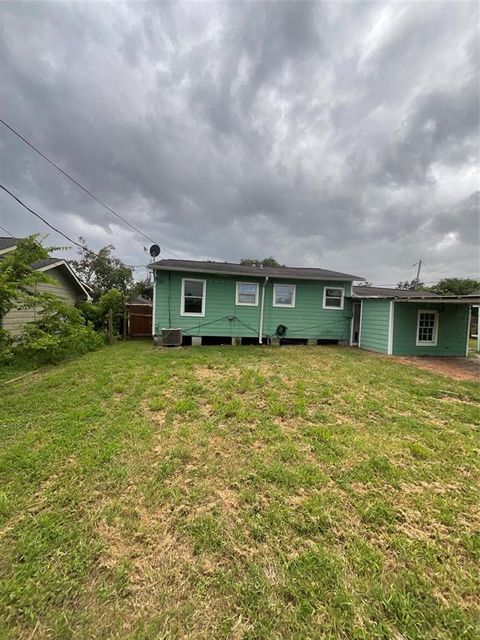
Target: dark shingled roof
140, 300
6, 243
384, 292
230, 268
45, 262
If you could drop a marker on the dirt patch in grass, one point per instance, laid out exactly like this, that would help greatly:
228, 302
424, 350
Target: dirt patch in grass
456, 368
215, 373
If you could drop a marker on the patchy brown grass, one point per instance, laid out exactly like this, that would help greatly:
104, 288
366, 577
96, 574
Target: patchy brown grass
240, 493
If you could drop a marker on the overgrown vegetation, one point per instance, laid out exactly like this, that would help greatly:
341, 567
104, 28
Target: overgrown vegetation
214, 493
58, 332
102, 271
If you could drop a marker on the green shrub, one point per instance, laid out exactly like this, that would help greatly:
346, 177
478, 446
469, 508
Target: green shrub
59, 333
6, 347
97, 313
92, 315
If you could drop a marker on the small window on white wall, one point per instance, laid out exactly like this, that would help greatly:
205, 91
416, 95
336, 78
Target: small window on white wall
427, 328
247, 294
283, 295
193, 297
333, 297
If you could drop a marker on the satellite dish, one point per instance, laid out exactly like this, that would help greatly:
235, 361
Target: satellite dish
154, 250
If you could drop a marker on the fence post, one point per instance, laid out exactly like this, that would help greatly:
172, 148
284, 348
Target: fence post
110, 326
125, 324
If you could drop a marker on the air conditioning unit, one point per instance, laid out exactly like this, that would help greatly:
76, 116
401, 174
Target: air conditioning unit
171, 337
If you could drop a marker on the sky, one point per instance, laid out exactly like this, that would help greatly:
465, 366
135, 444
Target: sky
340, 135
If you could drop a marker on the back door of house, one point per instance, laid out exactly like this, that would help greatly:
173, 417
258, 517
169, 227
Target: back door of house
356, 322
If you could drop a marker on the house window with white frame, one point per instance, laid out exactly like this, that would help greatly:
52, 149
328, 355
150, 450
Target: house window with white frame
284, 295
247, 294
193, 297
333, 297
427, 328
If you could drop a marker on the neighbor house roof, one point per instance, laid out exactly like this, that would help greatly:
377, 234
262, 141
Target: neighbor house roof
409, 295
234, 269
140, 300
8, 243
45, 262
384, 292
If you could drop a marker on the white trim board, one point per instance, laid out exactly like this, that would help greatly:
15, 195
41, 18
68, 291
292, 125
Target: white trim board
468, 331
7, 249
391, 313
360, 327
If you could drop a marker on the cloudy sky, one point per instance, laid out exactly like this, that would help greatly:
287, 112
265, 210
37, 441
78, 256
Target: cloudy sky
341, 135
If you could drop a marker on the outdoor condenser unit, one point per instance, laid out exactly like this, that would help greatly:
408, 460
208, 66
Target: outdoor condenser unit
171, 337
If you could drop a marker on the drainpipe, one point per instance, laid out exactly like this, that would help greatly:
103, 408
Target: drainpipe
260, 328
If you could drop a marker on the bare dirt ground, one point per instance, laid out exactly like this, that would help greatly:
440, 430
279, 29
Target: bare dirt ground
456, 368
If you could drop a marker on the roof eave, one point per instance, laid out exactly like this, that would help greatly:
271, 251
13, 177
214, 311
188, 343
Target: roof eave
260, 274
446, 300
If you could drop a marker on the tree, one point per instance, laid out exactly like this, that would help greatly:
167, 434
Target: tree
266, 262
456, 286
102, 271
143, 288
366, 283
411, 285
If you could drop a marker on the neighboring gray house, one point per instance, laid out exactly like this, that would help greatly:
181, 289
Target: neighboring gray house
67, 286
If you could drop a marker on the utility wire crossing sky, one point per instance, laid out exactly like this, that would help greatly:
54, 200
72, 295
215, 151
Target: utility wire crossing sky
339, 135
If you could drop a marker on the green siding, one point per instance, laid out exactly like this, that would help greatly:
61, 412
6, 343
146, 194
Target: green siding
306, 320
452, 329
374, 326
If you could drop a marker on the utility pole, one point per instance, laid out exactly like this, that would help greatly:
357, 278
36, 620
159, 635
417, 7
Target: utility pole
417, 279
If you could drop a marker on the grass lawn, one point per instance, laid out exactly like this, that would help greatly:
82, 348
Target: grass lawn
216, 492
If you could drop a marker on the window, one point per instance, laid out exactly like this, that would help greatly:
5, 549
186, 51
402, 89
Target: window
333, 297
283, 295
193, 297
247, 294
427, 328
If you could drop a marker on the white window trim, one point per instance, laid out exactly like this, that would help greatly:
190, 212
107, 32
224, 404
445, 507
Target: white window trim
325, 306
284, 284
423, 343
246, 304
204, 298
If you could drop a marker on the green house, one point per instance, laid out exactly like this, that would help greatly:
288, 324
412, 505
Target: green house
222, 302
405, 323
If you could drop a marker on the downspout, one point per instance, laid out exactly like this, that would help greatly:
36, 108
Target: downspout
262, 304
154, 301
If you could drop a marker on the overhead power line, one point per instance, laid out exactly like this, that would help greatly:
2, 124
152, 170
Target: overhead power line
6, 231
80, 186
64, 235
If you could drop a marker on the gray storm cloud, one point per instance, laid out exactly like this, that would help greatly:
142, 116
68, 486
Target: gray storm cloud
339, 135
